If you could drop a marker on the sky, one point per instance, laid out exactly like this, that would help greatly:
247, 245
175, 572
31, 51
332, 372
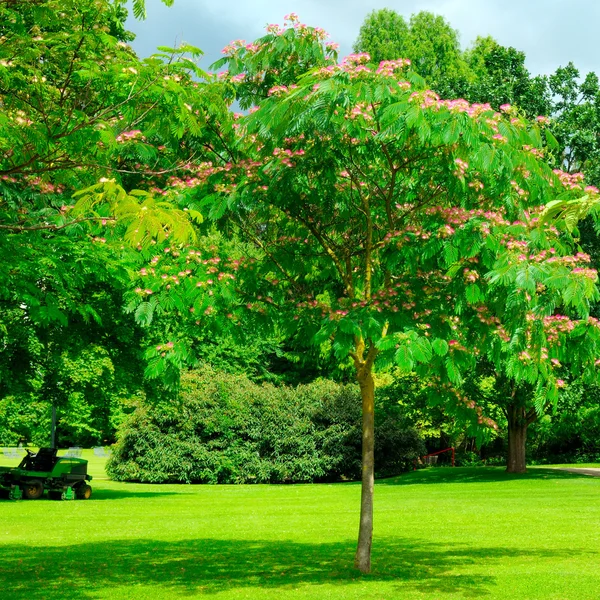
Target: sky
550, 32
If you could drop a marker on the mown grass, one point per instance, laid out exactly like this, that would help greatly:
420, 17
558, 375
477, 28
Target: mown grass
439, 534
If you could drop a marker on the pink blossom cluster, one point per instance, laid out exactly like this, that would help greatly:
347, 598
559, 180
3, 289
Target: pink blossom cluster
470, 276
319, 33
456, 215
445, 231
233, 47
134, 134
167, 346
485, 316
461, 167
556, 324
45, 187
572, 181
360, 58
468, 403
587, 273
286, 155
520, 191
537, 152
429, 99
274, 28
415, 231
329, 70
362, 109
278, 90
549, 256
388, 68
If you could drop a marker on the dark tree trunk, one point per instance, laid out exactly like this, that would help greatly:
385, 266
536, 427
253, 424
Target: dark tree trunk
519, 420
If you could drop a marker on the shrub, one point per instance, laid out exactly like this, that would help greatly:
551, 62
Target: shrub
225, 429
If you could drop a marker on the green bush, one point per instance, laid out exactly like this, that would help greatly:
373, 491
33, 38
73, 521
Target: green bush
225, 429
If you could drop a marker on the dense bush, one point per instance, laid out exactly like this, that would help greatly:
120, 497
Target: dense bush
226, 429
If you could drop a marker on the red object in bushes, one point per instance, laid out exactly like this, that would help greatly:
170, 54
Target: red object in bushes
435, 454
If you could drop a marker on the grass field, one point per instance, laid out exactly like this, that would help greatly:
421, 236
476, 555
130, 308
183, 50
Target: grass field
439, 534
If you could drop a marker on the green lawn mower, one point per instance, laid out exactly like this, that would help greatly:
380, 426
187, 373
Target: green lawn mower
64, 477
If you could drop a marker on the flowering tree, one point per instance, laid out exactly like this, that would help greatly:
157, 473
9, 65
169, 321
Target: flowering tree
391, 225
402, 227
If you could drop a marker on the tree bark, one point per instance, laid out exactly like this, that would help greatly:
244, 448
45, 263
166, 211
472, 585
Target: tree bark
518, 421
362, 560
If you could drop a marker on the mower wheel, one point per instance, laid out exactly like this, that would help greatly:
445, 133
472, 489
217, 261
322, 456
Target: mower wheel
84, 492
32, 490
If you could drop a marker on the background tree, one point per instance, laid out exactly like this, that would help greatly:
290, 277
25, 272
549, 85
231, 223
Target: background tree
499, 76
427, 40
576, 121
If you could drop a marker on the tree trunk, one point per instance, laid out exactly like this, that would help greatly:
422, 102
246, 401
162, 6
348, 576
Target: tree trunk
362, 560
518, 421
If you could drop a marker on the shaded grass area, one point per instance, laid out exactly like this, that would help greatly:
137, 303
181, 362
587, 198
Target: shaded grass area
474, 475
212, 566
439, 534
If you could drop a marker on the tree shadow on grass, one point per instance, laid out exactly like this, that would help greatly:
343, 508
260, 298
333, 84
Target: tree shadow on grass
109, 494
474, 475
210, 566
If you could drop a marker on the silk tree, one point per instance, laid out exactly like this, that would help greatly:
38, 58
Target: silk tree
392, 226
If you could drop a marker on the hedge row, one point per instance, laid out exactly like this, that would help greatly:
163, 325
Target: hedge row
226, 429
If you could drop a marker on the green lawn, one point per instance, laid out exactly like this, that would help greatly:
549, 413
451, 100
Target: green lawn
440, 534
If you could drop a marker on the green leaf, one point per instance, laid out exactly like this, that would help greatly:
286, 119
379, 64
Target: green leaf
403, 358
421, 350
452, 371
440, 347
474, 294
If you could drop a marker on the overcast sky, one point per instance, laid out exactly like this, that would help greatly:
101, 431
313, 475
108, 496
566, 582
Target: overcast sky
550, 32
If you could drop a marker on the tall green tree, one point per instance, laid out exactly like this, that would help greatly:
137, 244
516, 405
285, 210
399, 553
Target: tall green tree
428, 40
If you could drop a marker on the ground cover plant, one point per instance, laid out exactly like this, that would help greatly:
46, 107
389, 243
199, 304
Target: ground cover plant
443, 534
